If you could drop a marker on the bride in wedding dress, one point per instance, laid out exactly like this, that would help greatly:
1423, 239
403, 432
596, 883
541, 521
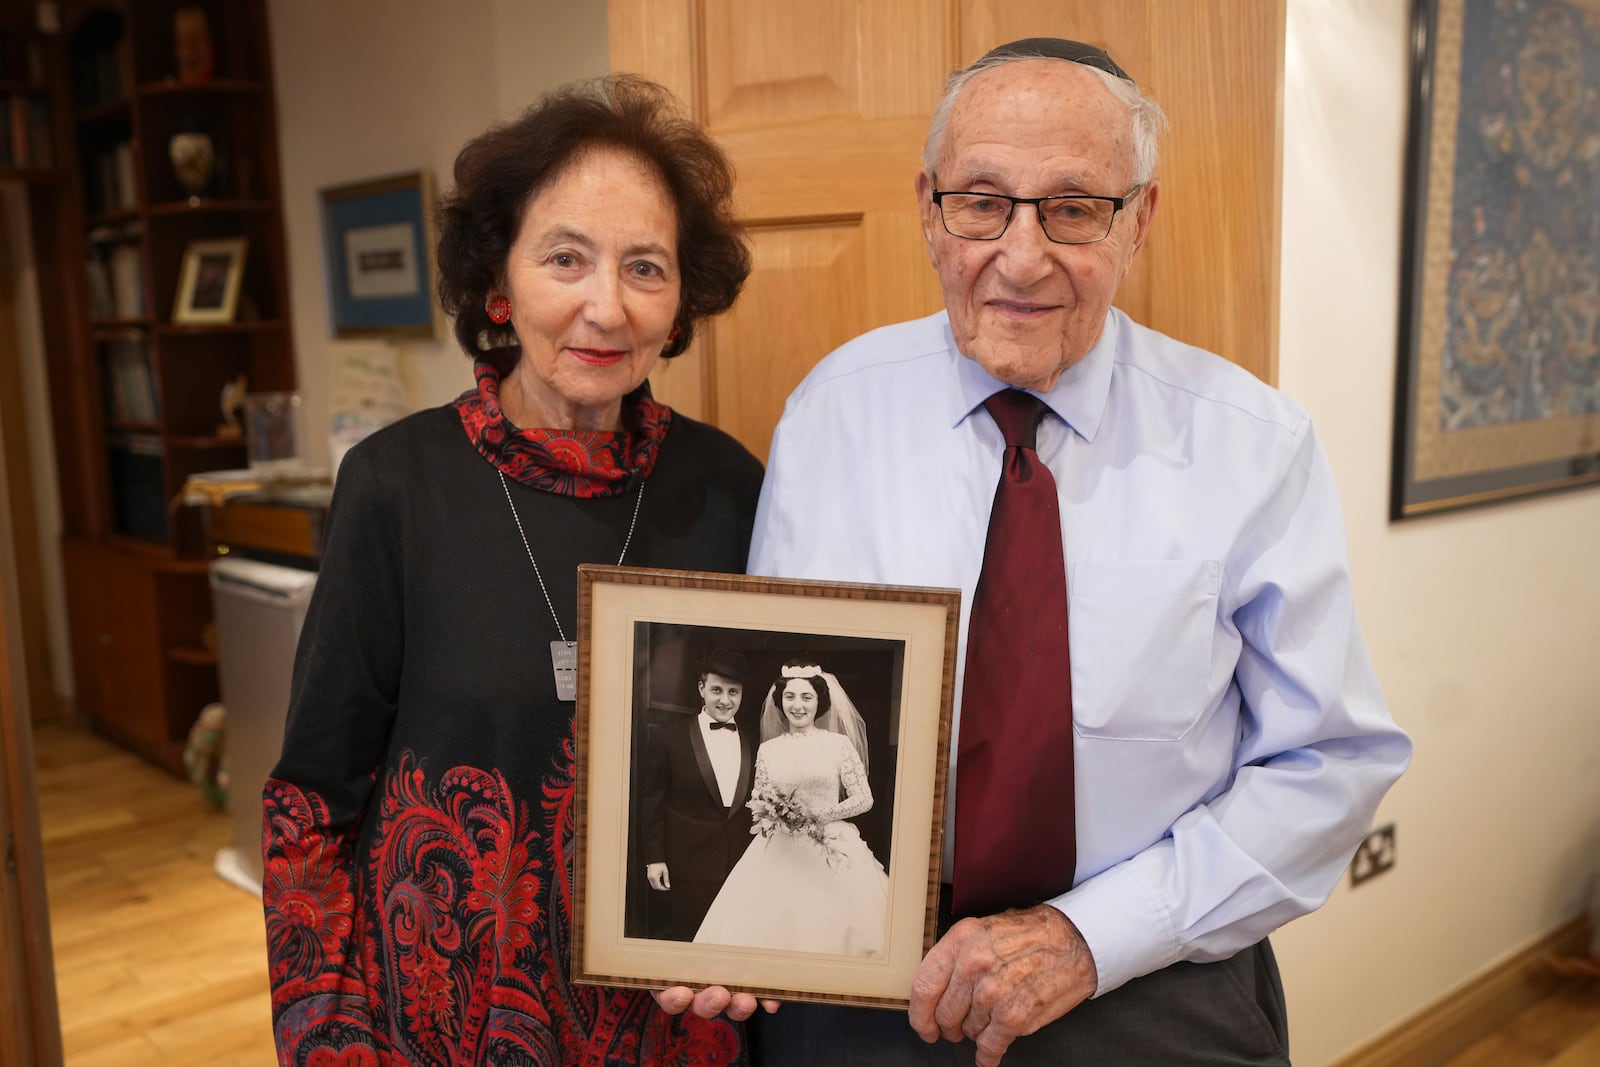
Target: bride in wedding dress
810, 776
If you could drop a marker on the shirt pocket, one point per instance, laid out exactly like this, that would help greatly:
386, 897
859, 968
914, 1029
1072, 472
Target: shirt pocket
1141, 635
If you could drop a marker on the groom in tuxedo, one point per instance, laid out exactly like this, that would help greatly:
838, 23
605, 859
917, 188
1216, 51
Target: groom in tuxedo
697, 774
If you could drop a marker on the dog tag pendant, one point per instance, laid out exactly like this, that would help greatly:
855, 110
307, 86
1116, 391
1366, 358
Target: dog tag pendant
564, 662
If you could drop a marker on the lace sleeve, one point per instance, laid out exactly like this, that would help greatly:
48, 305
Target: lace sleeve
853, 776
763, 779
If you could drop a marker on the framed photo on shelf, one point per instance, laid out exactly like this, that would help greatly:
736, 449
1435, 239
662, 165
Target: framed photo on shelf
378, 252
208, 283
1499, 377
797, 855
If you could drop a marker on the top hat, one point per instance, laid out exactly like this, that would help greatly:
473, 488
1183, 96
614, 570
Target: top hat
728, 664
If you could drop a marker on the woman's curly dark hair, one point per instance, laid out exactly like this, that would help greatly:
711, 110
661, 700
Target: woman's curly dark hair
501, 170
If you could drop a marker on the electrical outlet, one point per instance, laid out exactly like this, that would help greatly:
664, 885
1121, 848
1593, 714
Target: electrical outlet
1374, 856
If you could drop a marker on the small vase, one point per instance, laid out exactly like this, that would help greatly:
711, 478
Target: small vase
194, 161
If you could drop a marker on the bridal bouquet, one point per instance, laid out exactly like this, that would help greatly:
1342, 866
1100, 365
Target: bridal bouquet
779, 810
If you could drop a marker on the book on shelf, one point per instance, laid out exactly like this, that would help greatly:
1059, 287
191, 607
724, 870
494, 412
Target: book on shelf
138, 496
97, 76
130, 385
25, 134
101, 306
21, 58
116, 273
110, 186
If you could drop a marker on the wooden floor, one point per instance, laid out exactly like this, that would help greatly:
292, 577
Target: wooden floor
160, 962
1562, 1030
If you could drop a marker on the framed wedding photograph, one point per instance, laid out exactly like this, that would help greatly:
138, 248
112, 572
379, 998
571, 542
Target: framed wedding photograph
378, 251
208, 282
1499, 373
760, 792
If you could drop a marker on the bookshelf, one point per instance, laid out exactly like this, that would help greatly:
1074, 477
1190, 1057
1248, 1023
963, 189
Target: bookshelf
164, 137
27, 101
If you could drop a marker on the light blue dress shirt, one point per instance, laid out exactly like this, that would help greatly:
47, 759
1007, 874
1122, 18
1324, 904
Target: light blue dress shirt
1232, 743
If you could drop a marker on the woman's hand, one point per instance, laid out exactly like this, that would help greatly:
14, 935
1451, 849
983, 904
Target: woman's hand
710, 1002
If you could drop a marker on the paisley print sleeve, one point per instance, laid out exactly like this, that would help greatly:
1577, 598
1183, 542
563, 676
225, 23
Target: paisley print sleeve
341, 709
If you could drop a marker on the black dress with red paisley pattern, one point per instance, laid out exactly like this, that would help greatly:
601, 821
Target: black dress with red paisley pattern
419, 824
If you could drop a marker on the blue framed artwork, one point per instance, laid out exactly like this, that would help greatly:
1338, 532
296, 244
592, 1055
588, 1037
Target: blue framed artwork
378, 247
1499, 378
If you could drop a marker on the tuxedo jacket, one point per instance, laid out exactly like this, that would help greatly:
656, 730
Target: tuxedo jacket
683, 821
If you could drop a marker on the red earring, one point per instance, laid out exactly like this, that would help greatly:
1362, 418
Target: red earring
499, 310
673, 336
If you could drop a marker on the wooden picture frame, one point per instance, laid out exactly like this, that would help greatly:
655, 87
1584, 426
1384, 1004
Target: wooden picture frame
378, 250
1499, 382
208, 284
644, 637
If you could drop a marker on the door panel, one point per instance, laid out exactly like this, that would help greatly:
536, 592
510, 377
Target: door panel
808, 288
823, 108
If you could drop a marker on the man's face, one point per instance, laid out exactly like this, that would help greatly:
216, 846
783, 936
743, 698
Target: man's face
720, 696
1024, 307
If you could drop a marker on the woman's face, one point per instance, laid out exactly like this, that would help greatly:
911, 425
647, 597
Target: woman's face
593, 282
799, 703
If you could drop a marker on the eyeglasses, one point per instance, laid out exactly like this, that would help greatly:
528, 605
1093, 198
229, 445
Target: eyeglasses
1066, 220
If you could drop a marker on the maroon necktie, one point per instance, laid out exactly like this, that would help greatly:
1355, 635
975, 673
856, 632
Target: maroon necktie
1015, 818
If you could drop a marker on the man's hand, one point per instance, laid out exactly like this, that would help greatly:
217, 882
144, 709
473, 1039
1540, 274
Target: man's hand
658, 877
1000, 977
710, 1002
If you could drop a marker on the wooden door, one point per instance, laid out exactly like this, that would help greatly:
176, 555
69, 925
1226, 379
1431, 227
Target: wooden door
823, 107
33, 664
30, 1035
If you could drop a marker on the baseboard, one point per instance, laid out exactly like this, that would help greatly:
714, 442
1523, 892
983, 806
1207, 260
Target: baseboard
1478, 1007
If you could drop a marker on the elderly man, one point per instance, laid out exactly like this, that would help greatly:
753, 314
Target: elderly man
1150, 777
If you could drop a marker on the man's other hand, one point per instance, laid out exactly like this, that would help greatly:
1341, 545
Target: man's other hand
657, 874
1001, 977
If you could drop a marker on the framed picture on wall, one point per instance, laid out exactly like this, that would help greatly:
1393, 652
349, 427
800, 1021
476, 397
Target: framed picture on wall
1499, 380
208, 282
378, 253
760, 782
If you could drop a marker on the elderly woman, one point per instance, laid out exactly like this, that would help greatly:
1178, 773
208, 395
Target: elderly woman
810, 776
419, 825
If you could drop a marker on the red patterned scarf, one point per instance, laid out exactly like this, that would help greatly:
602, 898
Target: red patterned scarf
583, 463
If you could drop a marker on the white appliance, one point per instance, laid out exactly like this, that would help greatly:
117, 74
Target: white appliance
259, 609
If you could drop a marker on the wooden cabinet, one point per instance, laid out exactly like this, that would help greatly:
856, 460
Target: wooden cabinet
167, 150
137, 620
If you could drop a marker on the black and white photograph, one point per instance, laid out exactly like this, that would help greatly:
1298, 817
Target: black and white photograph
761, 786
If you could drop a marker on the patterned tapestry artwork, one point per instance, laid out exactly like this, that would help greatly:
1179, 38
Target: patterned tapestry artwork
1500, 376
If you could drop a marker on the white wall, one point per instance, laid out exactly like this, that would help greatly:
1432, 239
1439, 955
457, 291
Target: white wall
1484, 625
364, 91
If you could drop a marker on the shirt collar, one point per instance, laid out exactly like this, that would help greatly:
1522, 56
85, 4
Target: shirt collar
1080, 394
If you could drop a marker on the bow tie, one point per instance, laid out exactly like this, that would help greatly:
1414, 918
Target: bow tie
715, 725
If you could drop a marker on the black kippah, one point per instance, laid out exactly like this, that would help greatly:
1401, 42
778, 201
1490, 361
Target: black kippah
1056, 48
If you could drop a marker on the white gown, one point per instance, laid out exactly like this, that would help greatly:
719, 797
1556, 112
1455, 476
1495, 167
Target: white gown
844, 889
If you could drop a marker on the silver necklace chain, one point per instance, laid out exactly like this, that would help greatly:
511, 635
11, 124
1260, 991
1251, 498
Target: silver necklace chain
529, 550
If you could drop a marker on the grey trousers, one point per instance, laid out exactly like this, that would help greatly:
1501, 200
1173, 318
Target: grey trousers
1200, 1014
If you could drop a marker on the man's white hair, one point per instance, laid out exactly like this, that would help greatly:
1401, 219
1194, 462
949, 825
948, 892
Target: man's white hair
1146, 119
